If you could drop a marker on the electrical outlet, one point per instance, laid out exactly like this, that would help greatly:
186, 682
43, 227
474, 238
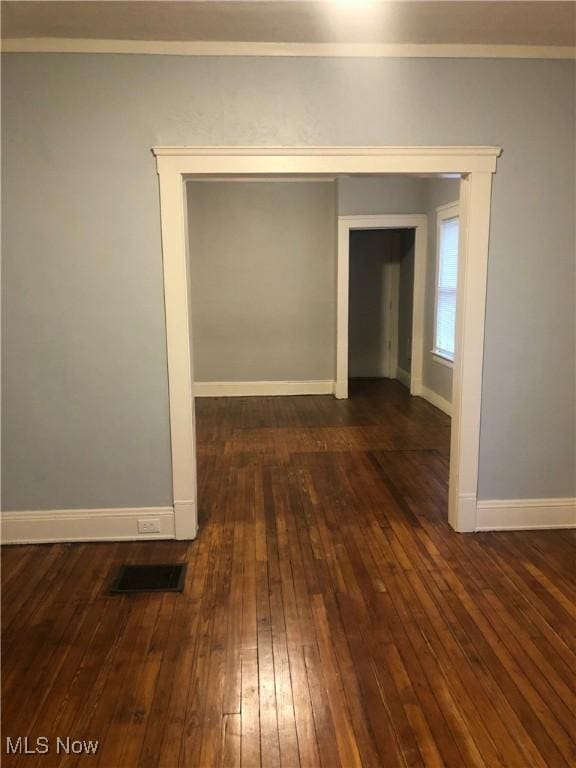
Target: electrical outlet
150, 525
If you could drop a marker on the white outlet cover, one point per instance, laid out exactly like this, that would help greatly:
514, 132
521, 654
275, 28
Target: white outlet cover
150, 525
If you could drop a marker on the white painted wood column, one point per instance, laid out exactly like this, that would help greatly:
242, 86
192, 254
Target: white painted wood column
475, 198
342, 288
180, 376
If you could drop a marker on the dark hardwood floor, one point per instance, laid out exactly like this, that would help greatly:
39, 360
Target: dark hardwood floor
330, 615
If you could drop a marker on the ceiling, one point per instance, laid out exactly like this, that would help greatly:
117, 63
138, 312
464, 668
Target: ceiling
416, 22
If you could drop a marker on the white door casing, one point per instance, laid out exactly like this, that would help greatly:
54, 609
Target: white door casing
475, 164
417, 222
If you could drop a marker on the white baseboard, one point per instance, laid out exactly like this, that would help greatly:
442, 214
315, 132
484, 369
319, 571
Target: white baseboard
525, 514
403, 377
60, 525
436, 399
262, 388
51, 526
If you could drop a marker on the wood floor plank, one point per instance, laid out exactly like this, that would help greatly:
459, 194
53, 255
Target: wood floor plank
250, 710
303, 713
345, 736
328, 752
232, 734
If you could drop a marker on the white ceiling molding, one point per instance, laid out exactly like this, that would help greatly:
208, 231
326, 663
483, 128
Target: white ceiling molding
267, 49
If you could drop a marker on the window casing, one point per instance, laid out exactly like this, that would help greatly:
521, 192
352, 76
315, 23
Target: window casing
446, 282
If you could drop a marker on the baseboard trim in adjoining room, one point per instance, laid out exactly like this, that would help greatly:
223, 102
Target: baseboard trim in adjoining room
403, 377
436, 399
64, 525
525, 514
262, 388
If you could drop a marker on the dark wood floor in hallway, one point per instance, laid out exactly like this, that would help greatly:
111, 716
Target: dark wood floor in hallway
330, 616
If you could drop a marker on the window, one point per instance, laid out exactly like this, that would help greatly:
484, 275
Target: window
446, 282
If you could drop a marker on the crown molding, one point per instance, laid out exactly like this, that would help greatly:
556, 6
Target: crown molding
232, 48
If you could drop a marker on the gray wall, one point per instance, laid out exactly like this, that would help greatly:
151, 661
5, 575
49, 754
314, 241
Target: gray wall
84, 375
263, 282
435, 375
388, 194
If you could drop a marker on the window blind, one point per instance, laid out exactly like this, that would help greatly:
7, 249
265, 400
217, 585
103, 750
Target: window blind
447, 282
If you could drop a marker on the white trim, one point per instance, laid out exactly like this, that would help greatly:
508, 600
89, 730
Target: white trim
54, 525
262, 388
186, 514
463, 510
525, 514
417, 222
475, 202
436, 400
235, 48
179, 348
403, 377
264, 179
441, 359
448, 210
477, 164
256, 161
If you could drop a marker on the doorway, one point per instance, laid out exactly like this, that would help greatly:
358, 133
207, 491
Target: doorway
380, 304
413, 228
474, 165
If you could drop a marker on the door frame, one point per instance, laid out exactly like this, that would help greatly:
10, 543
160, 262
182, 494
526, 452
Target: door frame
475, 165
417, 222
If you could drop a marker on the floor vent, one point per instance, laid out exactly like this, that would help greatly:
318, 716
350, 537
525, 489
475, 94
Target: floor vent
149, 578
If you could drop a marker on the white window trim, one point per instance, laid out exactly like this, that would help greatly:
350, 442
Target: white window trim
442, 359
443, 213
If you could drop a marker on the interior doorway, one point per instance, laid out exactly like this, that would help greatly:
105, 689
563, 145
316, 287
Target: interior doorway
380, 305
354, 232
474, 166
